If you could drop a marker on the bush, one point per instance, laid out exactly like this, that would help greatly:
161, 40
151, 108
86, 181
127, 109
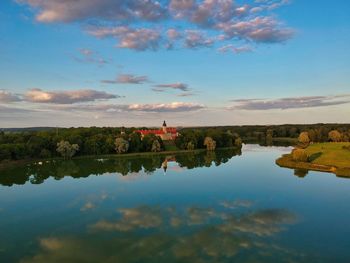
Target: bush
346, 147
300, 155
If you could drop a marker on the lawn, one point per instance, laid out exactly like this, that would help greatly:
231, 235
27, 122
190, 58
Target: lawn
331, 154
325, 157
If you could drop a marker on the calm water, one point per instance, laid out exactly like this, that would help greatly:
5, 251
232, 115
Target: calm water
221, 207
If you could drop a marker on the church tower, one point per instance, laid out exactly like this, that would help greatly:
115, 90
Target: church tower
164, 127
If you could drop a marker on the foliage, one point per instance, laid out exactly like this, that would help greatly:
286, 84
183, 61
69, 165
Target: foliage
238, 142
304, 138
66, 149
190, 146
335, 136
346, 147
121, 145
299, 155
210, 143
17, 144
156, 146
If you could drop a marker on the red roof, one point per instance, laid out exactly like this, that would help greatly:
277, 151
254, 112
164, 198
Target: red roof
157, 132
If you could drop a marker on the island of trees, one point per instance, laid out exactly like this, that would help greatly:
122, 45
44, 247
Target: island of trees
310, 154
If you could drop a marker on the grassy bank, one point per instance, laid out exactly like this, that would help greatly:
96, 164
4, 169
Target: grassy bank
325, 157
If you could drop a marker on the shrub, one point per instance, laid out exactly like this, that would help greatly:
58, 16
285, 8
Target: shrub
300, 155
346, 147
335, 136
304, 139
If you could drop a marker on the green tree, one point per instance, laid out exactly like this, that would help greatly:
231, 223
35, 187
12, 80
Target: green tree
135, 142
121, 145
238, 142
190, 146
66, 149
156, 146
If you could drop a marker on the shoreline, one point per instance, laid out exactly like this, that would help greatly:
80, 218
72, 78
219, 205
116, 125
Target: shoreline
287, 162
12, 163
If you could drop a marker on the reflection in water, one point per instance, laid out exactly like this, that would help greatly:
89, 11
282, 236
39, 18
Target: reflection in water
38, 173
169, 234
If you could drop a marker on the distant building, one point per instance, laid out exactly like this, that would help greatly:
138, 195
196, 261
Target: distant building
165, 133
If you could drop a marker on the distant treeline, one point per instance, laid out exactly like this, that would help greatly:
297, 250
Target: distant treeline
319, 132
99, 141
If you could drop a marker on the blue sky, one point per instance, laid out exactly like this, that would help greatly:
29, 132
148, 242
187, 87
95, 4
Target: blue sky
210, 62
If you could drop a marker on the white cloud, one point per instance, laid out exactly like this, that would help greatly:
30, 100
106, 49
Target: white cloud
127, 79
289, 103
135, 23
8, 97
176, 86
136, 107
66, 97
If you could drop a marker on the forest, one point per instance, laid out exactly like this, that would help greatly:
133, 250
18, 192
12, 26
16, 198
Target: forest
43, 143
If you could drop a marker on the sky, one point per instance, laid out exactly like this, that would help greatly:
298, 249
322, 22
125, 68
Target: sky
190, 62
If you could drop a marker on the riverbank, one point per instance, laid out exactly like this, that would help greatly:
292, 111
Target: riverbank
323, 157
11, 163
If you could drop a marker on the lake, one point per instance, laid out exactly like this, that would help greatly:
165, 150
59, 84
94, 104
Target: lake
206, 207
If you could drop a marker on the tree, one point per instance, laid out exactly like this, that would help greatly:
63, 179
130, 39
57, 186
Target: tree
303, 140
300, 155
135, 142
190, 146
334, 136
156, 146
66, 149
238, 142
210, 143
121, 145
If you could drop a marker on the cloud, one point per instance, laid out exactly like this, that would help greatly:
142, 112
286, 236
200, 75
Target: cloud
186, 94
49, 11
127, 79
8, 97
135, 24
170, 107
138, 39
133, 218
89, 56
187, 234
259, 29
155, 107
66, 97
236, 50
176, 86
195, 39
289, 103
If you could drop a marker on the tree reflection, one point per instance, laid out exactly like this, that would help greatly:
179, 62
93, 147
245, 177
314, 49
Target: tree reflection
37, 173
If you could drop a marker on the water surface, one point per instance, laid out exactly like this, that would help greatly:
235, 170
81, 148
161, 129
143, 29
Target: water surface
207, 207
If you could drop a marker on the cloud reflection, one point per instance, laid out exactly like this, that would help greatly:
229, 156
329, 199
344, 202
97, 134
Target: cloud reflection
169, 234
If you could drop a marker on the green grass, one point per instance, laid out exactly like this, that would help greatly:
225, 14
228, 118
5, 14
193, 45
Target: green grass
326, 157
331, 154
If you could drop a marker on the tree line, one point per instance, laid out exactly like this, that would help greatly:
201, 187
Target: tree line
67, 142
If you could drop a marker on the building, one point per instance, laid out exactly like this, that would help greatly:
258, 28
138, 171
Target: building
165, 133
